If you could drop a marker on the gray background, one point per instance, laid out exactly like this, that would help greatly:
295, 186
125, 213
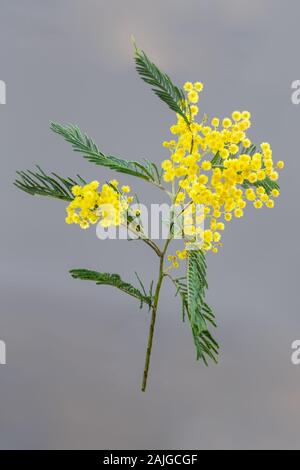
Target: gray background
75, 351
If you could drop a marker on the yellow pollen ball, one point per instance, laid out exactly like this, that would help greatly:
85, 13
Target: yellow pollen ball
236, 116
226, 123
193, 96
188, 86
215, 122
275, 193
198, 86
238, 213
126, 189
246, 143
257, 204
206, 165
246, 115
270, 204
280, 164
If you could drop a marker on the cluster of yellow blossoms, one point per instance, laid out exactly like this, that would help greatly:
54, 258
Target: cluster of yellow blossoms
214, 164
90, 205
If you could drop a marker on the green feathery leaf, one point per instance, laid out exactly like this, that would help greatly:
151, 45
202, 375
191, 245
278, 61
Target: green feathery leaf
87, 147
216, 160
155, 173
161, 84
112, 280
198, 311
205, 344
53, 185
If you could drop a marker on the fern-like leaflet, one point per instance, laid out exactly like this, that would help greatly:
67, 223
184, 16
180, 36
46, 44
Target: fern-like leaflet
113, 280
192, 292
198, 311
161, 84
83, 144
53, 185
